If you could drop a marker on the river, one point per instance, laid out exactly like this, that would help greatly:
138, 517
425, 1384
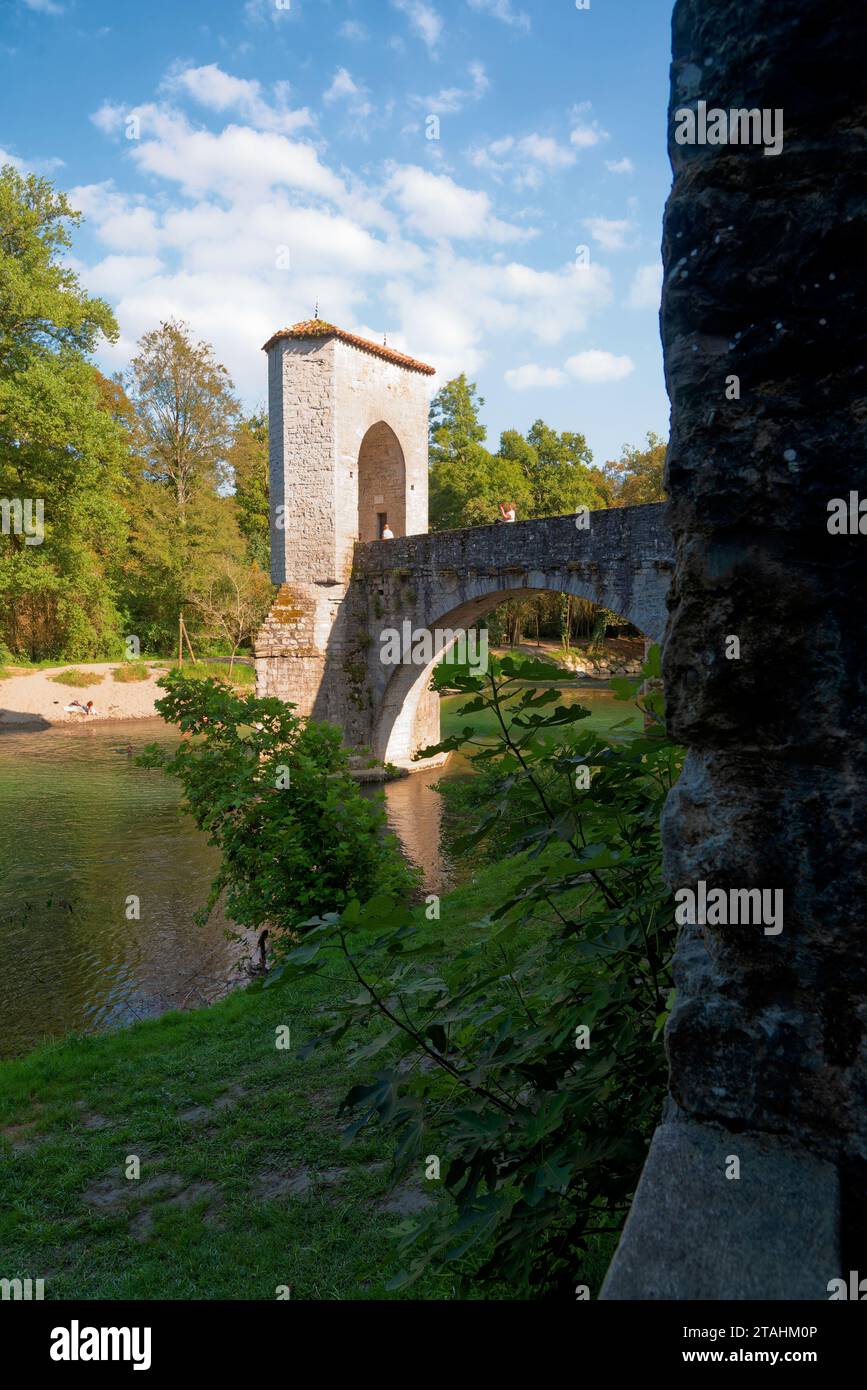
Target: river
85, 831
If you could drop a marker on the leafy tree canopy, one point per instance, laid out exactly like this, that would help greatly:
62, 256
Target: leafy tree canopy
248, 460
638, 476
59, 449
454, 421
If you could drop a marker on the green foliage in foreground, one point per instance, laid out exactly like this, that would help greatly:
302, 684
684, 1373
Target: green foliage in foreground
530, 1061
273, 793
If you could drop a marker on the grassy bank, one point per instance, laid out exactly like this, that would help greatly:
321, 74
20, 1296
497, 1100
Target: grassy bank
244, 1182
606, 713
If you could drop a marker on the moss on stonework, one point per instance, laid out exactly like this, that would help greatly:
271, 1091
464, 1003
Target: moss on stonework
355, 670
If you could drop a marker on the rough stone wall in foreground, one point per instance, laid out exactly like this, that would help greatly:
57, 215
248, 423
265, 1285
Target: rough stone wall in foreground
766, 281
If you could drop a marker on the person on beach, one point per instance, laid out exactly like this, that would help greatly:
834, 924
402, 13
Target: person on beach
508, 513
76, 707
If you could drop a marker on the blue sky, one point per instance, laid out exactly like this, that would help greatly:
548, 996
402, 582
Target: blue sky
236, 160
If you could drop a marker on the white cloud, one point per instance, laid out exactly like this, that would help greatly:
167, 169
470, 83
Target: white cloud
7, 158
109, 118
206, 242
532, 377
646, 287
502, 10
124, 224
452, 99
555, 302
620, 166
354, 31
594, 367
608, 232
424, 19
44, 6
353, 94
112, 276
219, 91
236, 158
584, 137
463, 306
342, 85
545, 150
437, 206
528, 159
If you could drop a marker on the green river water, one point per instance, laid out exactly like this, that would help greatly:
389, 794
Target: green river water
82, 828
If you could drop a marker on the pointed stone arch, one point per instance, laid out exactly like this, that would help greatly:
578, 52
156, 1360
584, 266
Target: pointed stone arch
381, 483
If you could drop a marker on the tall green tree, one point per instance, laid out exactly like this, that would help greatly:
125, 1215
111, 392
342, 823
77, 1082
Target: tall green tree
183, 518
466, 480
455, 426
638, 476
186, 409
248, 460
60, 451
557, 468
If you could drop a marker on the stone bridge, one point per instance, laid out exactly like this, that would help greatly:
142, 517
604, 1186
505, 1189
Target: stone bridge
348, 428
447, 581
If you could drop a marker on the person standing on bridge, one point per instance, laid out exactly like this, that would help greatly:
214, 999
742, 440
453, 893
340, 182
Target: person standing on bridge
387, 533
508, 513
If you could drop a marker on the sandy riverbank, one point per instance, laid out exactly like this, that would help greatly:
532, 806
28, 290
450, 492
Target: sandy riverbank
34, 699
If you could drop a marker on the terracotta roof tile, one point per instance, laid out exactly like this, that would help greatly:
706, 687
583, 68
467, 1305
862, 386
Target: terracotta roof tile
318, 328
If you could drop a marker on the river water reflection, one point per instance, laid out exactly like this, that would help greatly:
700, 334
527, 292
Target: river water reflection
82, 828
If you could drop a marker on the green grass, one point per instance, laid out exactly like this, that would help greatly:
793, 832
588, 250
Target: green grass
131, 671
19, 666
241, 675
605, 712
215, 1112
80, 679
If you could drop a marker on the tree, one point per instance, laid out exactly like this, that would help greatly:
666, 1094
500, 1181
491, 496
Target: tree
273, 792
467, 491
638, 476
454, 421
530, 1058
186, 409
235, 603
248, 460
60, 451
557, 468
466, 480
183, 521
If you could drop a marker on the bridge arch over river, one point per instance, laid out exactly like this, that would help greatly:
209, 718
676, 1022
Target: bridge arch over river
349, 423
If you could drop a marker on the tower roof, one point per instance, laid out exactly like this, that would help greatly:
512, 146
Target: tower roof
318, 328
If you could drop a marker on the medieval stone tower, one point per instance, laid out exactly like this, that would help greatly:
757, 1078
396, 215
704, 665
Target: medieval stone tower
349, 456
